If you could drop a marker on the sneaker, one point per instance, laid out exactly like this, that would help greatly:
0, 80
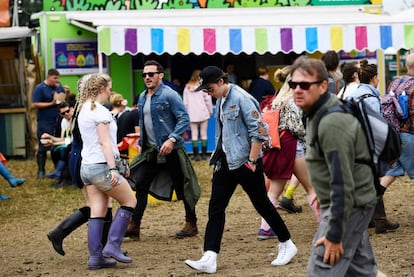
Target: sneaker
207, 263
288, 205
266, 234
287, 250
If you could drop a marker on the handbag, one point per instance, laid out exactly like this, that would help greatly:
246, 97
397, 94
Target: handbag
122, 166
271, 118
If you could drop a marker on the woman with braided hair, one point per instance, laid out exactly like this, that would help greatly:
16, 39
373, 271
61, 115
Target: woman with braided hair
80, 216
100, 175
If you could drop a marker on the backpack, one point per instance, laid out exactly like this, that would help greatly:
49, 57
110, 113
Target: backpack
391, 110
396, 112
382, 139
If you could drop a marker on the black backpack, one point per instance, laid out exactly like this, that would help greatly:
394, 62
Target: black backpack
383, 140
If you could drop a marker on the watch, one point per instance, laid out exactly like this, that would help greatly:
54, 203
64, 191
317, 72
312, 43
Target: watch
173, 139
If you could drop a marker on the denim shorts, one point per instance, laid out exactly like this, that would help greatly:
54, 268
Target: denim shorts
98, 175
300, 151
406, 161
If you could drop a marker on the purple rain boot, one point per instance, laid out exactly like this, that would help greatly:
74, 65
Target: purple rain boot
116, 234
96, 260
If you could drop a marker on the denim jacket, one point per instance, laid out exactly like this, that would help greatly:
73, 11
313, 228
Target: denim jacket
242, 125
169, 116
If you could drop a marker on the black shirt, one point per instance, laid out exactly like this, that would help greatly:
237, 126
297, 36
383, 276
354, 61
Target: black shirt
126, 123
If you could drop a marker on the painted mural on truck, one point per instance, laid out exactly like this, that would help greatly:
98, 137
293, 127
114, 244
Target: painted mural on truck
91, 5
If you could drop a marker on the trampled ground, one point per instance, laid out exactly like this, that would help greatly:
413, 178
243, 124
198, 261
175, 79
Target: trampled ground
36, 208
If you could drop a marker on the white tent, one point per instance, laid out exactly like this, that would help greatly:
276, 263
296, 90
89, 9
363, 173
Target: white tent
7, 33
248, 30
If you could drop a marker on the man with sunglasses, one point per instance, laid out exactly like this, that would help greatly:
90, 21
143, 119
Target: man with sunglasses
237, 159
163, 119
61, 145
345, 187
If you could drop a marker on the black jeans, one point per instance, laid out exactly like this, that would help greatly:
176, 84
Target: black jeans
224, 184
146, 172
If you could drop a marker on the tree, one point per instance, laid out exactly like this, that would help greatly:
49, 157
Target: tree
25, 8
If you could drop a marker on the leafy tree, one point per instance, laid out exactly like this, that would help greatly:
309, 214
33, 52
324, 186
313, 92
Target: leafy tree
25, 9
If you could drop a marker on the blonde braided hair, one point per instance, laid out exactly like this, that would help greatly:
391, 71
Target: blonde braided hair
92, 86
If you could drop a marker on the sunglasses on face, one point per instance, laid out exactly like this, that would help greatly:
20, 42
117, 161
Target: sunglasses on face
149, 74
303, 85
64, 112
210, 89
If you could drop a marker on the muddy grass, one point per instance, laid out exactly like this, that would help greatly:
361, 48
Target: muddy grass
36, 208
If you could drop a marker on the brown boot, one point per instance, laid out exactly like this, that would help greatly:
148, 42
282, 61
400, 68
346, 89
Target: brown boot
382, 224
133, 230
190, 229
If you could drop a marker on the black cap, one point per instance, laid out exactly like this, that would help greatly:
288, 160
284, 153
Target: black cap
208, 75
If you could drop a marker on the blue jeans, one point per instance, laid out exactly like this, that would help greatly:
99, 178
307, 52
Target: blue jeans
224, 184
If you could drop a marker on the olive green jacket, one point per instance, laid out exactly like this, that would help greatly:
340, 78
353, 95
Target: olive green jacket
162, 186
340, 182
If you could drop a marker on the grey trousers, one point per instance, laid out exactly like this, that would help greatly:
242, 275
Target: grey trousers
358, 258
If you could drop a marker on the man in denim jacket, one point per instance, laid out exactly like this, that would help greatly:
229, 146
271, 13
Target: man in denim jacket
240, 133
163, 119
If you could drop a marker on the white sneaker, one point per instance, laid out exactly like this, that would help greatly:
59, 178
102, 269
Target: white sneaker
287, 250
206, 264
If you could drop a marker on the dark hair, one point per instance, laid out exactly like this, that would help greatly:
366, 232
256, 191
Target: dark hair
367, 72
160, 68
348, 70
53, 72
262, 71
63, 104
331, 60
311, 66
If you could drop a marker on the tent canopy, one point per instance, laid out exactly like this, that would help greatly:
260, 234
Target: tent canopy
247, 30
8, 33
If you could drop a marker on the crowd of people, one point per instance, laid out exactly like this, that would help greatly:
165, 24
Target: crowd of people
340, 189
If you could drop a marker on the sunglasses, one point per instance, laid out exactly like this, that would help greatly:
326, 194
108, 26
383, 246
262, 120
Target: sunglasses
64, 112
208, 89
149, 74
303, 85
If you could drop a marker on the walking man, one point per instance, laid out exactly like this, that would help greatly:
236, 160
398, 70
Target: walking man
406, 161
163, 119
237, 159
345, 188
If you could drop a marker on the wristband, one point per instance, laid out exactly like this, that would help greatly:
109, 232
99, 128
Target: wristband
113, 169
252, 162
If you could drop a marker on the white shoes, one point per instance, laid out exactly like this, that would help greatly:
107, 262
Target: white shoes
206, 264
287, 250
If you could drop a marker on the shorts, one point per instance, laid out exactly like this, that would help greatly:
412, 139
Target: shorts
300, 151
279, 163
98, 175
406, 161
